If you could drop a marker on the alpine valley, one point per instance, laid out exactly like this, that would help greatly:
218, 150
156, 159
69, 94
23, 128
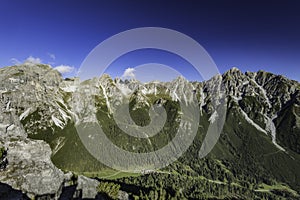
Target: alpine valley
42, 157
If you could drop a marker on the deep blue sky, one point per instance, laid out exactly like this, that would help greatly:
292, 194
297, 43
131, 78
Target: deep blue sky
247, 34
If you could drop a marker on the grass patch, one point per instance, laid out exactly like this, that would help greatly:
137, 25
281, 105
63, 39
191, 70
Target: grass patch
266, 187
108, 174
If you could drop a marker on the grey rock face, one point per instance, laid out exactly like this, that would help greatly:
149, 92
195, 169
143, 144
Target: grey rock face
33, 89
30, 168
87, 186
10, 126
123, 195
24, 90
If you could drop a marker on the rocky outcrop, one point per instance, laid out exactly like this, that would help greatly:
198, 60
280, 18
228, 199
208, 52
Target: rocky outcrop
88, 187
23, 91
30, 169
33, 90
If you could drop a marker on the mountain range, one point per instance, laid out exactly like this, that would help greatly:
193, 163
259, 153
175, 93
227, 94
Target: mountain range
42, 155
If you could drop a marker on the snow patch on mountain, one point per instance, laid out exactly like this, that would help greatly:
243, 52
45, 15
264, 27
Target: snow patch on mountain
250, 121
263, 91
57, 122
213, 117
64, 115
106, 99
174, 94
70, 88
8, 105
59, 144
25, 114
124, 89
270, 126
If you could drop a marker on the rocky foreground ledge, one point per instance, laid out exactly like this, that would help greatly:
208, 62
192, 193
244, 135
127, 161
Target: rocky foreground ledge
30, 169
30, 174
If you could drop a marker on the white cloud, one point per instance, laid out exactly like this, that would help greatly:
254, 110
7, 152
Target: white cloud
29, 61
33, 60
129, 73
15, 61
63, 69
52, 56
